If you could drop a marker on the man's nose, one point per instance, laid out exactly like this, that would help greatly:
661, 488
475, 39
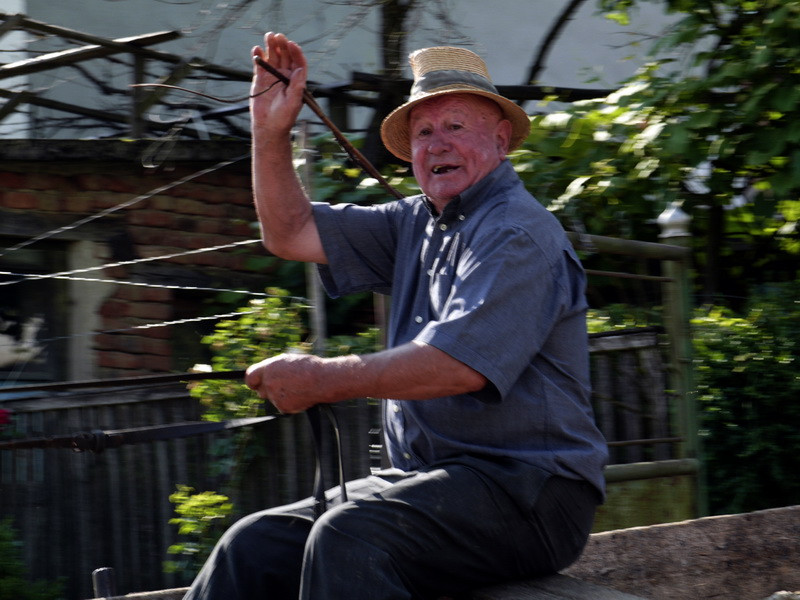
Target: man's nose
438, 143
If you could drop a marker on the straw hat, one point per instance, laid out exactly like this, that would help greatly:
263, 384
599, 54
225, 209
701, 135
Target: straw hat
447, 70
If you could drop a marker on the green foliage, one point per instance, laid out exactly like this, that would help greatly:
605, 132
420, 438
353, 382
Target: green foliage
622, 316
336, 180
265, 327
201, 519
14, 585
712, 122
748, 383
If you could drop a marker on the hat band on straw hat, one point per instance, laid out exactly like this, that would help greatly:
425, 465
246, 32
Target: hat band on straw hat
448, 70
447, 78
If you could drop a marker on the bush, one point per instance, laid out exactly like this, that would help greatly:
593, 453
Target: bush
265, 328
748, 389
201, 519
14, 584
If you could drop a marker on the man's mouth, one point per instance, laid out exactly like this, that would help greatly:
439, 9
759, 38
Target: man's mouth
442, 169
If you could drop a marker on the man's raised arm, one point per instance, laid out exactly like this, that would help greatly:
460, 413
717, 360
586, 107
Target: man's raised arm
284, 210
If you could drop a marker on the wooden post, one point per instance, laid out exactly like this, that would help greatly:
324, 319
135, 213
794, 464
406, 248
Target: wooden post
137, 129
103, 583
674, 225
318, 319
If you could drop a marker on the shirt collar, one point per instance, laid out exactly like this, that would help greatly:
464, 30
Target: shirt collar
475, 195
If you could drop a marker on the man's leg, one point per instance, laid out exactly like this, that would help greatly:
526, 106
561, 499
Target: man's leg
447, 531
261, 555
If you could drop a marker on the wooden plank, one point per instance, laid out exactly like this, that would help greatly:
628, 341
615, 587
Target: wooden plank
623, 341
630, 404
71, 56
32, 25
21, 22
653, 389
650, 470
11, 23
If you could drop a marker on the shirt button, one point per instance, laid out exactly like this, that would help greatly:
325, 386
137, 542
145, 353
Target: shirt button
396, 408
461, 217
406, 455
443, 226
418, 319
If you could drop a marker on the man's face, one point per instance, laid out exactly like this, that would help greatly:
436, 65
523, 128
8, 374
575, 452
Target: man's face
456, 140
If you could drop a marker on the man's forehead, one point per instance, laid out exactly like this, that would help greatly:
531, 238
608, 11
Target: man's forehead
465, 102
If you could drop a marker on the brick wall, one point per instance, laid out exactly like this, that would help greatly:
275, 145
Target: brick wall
46, 185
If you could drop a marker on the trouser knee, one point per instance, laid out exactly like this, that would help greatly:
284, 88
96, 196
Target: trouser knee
344, 534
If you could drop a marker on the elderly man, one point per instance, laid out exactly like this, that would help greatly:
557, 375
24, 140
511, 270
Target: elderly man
497, 462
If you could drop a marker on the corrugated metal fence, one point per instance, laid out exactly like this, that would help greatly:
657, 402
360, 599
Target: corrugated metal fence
80, 511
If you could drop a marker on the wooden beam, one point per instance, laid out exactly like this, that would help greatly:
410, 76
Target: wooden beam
62, 58
11, 23
26, 24
101, 115
32, 98
12, 104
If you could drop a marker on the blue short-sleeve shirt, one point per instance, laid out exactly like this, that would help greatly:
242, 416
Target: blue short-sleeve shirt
494, 282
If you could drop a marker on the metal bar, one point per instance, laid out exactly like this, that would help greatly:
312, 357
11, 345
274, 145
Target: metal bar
646, 441
123, 381
98, 441
629, 247
622, 275
652, 470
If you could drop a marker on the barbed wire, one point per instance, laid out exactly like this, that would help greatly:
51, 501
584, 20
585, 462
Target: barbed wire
124, 263
162, 286
122, 205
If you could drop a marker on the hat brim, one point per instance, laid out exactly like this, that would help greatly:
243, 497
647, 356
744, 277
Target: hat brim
396, 135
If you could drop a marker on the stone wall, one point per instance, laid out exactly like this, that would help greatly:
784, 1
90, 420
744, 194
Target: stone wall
52, 186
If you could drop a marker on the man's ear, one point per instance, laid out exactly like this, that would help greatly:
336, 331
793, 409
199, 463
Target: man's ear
503, 136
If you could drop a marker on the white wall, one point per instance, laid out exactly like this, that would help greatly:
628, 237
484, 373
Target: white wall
16, 124
340, 38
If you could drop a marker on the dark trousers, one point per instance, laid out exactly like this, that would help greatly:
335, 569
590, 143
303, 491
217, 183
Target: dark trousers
442, 531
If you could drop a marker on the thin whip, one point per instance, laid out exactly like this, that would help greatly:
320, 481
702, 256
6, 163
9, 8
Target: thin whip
309, 100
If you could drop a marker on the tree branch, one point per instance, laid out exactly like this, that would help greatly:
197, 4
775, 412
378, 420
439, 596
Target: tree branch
549, 40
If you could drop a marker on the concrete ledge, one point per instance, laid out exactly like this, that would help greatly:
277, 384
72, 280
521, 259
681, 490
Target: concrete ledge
745, 556
748, 557
554, 587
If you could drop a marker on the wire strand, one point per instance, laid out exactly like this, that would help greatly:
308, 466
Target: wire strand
124, 263
122, 205
159, 286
